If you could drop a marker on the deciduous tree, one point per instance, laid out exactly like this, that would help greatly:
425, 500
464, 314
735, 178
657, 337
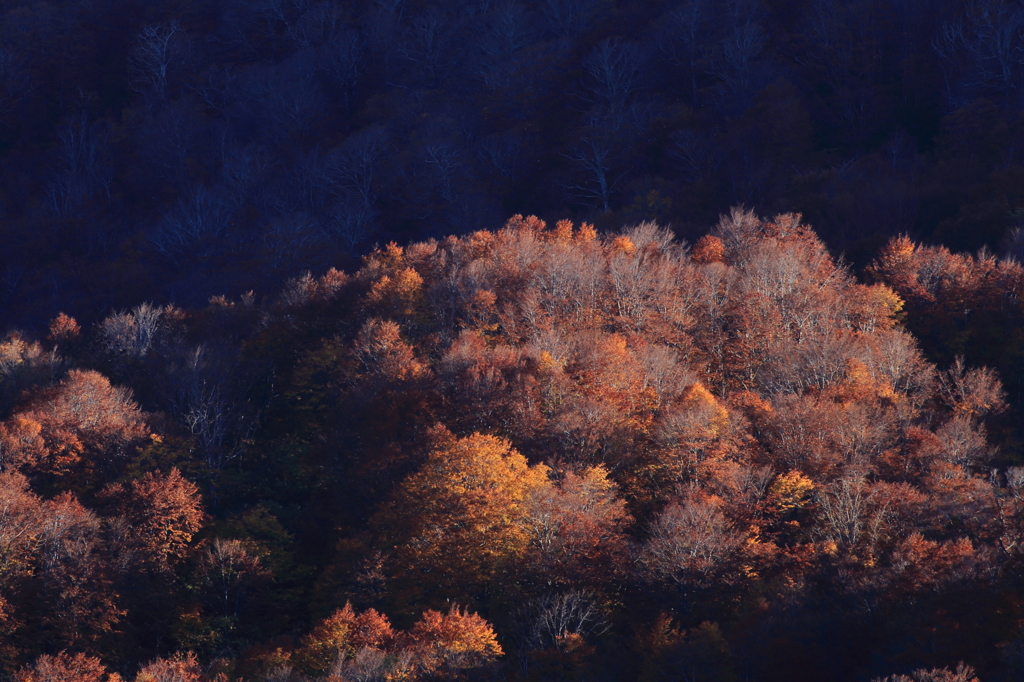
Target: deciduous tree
458, 525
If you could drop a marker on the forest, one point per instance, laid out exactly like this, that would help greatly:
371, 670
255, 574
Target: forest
286, 395
173, 150
533, 453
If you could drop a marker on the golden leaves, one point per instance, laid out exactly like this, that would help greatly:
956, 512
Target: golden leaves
790, 491
399, 296
457, 639
461, 516
708, 249
623, 244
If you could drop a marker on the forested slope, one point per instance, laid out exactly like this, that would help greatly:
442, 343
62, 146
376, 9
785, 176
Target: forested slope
170, 150
538, 452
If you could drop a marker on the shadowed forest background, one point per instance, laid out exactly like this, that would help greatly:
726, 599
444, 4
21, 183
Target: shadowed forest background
286, 395
170, 151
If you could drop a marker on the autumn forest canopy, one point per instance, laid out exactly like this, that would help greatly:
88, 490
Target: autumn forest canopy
734, 395
534, 453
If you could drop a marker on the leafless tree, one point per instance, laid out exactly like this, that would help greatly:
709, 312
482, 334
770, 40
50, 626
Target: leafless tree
201, 215
697, 153
216, 87
372, 665
732, 61
505, 31
158, 51
684, 41
319, 24
895, 360
982, 51
306, 188
291, 236
169, 137
393, 6
10, 277
215, 413
617, 70
837, 33
80, 167
508, 31
350, 222
963, 673
443, 159
131, 334
502, 151
432, 42
343, 61
690, 541
593, 156
547, 620
843, 510
244, 174
285, 98
568, 18
964, 442
354, 167
229, 570
974, 392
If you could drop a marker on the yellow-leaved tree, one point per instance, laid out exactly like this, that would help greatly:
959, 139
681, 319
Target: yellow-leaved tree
458, 526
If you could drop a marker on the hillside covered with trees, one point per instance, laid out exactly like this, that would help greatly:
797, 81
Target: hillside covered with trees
286, 396
534, 453
173, 150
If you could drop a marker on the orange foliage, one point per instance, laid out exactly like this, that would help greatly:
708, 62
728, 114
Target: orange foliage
918, 565
83, 427
160, 513
577, 528
53, 552
962, 673
708, 249
308, 289
341, 636
399, 295
752, 355
64, 330
80, 602
462, 517
766, 420
181, 667
381, 353
439, 646
450, 642
64, 667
